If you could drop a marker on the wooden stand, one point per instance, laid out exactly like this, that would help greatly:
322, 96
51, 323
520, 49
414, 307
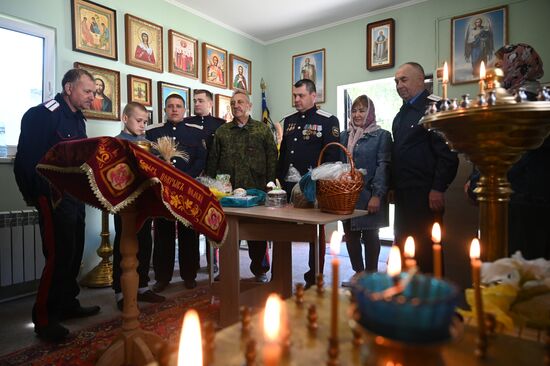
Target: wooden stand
133, 346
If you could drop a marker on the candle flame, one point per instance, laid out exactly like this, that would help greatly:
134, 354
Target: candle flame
482, 71
445, 72
475, 249
409, 247
335, 241
436, 233
394, 261
190, 350
272, 317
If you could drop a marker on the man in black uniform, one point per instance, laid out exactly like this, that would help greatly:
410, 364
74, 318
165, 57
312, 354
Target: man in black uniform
189, 142
305, 133
61, 222
207, 124
203, 120
422, 166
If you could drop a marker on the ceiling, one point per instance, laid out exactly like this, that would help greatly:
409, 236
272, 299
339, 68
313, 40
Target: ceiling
270, 21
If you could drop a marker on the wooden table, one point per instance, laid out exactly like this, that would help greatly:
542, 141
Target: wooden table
312, 350
280, 225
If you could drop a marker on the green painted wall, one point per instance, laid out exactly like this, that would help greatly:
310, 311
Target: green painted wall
56, 14
422, 35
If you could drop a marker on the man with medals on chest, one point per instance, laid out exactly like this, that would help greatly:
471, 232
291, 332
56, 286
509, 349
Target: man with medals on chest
305, 133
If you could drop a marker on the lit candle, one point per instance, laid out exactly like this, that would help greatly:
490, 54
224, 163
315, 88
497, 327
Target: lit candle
482, 78
394, 262
445, 79
190, 350
475, 252
410, 262
335, 241
272, 330
436, 239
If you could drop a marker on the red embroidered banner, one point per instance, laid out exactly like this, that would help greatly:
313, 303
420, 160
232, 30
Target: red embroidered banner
111, 174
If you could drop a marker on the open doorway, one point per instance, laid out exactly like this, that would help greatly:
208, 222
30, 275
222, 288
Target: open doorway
386, 102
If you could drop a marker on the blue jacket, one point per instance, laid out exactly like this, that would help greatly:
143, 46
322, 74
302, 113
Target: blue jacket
42, 127
373, 153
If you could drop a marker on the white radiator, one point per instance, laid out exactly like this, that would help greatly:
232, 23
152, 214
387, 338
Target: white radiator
21, 258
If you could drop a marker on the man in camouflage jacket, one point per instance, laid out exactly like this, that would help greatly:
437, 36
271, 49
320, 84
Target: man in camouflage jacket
244, 148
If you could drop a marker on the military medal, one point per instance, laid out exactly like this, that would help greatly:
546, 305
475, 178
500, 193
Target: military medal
318, 134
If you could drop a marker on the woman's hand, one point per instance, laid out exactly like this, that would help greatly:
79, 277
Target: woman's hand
374, 205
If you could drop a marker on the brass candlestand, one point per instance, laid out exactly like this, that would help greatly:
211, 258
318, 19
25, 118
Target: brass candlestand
493, 132
102, 274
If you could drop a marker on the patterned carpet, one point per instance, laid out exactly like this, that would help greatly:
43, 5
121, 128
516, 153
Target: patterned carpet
83, 348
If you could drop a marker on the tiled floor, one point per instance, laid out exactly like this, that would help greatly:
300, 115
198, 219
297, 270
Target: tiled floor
15, 316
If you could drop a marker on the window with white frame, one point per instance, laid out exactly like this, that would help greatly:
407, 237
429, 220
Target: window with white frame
27, 71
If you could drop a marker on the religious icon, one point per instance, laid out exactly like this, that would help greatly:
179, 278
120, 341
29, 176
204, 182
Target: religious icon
94, 29
143, 43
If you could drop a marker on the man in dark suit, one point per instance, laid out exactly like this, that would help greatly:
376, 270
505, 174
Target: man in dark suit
423, 166
305, 133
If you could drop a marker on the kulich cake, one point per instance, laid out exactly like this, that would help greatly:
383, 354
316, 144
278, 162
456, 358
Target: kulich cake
239, 192
276, 198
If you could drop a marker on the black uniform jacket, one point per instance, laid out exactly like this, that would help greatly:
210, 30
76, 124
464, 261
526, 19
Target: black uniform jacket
421, 158
42, 127
304, 136
209, 126
189, 140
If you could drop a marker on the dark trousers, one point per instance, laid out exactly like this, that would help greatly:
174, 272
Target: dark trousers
62, 231
145, 246
214, 254
371, 242
413, 217
529, 229
309, 276
164, 251
257, 251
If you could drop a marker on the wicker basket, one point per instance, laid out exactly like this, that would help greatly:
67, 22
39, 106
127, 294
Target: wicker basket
339, 196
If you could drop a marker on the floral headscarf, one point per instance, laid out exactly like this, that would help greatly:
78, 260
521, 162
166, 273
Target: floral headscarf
520, 64
356, 132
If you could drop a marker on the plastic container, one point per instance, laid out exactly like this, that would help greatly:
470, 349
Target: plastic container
225, 180
421, 314
276, 198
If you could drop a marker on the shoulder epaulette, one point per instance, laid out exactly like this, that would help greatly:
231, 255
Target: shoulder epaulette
323, 113
51, 105
434, 98
157, 125
193, 125
288, 115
